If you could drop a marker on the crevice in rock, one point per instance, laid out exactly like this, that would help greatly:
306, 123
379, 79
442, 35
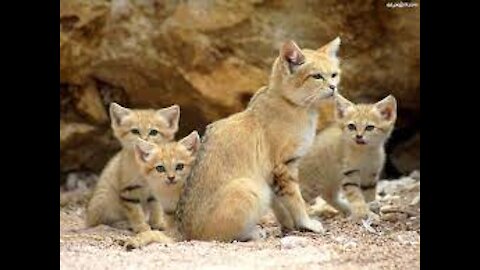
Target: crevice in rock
67, 23
399, 136
111, 93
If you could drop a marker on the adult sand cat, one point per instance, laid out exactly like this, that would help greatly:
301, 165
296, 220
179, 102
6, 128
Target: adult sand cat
120, 193
232, 184
348, 156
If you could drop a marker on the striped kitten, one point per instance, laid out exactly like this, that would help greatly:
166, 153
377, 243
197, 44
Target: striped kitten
120, 193
347, 157
166, 168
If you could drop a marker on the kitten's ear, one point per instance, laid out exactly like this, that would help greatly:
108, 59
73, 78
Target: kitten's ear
118, 113
191, 142
292, 54
342, 105
172, 115
387, 108
331, 49
143, 150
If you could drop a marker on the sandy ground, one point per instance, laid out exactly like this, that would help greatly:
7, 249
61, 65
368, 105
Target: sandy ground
394, 243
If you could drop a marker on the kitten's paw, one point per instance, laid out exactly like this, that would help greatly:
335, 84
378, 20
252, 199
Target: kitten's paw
158, 226
131, 244
313, 225
143, 227
359, 212
325, 211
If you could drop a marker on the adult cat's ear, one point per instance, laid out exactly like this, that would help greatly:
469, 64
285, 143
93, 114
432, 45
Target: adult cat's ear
331, 49
171, 115
118, 113
143, 150
292, 55
191, 142
387, 108
342, 105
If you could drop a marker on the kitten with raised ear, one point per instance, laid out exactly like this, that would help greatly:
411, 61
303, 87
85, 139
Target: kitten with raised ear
233, 183
166, 167
121, 192
347, 158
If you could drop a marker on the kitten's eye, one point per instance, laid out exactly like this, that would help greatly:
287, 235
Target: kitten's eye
352, 127
153, 132
334, 75
135, 131
317, 76
179, 167
160, 168
369, 128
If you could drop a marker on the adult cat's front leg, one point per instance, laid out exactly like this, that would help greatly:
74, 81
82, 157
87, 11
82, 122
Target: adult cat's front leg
287, 193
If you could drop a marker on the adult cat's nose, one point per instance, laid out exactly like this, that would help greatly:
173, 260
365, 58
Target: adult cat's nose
171, 178
332, 87
359, 136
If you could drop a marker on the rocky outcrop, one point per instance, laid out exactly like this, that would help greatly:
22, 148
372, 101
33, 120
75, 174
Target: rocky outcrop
210, 56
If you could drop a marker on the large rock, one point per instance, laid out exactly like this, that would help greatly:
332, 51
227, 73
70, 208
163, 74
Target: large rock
211, 56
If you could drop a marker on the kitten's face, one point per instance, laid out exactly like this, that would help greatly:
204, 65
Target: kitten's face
167, 165
156, 126
367, 124
307, 76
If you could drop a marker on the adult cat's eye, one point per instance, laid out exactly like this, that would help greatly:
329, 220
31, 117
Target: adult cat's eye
317, 76
153, 132
179, 166
351, 127
369, 128
135, 131
334, 75
160, 168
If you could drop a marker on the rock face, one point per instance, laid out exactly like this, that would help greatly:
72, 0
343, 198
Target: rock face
210, 56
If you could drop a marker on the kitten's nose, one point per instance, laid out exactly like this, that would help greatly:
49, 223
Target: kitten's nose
359, 136
332, 87
171, 178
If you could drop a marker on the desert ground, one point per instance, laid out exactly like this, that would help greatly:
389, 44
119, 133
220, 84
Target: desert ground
391, 243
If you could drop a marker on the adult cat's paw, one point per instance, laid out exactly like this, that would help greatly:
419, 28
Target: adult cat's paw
313, 225
257, 233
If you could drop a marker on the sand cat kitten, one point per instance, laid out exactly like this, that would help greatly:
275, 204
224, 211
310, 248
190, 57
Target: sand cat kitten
348, 156
232, 184
166, 167
120, 193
